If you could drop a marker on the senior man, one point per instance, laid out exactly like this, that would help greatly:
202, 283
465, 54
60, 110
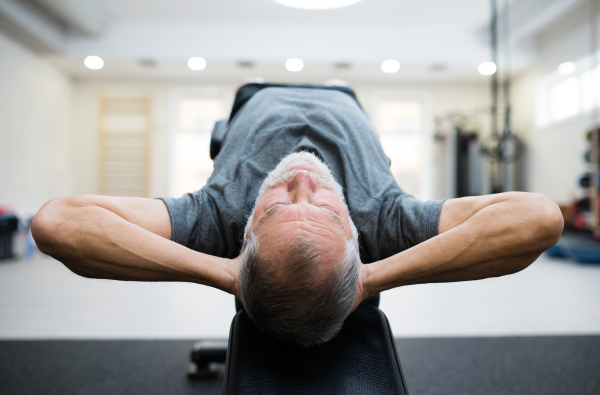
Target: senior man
303, 177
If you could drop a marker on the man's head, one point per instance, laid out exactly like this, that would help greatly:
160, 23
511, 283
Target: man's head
300, 261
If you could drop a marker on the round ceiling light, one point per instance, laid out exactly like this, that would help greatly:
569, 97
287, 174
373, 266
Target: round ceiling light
487, 68
294, 64
390, 66
316, 4
93, 62
196, 63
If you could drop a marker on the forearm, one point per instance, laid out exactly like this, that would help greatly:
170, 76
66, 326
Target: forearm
95, 242
498, 239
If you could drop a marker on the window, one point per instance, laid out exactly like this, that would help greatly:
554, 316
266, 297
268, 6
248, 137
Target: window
564, 99
399, 120
196, 117
560, 97
400, 123
589, 78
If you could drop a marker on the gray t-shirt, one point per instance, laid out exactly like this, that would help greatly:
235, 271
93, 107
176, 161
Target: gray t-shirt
276, 122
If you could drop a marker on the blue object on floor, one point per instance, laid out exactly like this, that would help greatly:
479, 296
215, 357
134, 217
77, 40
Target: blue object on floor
581, 247
556, 251
586, 254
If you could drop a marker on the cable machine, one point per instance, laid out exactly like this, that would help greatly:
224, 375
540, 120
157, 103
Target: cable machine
503, 148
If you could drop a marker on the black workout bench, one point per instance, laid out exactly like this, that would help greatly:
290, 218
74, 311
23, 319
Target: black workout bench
361, 359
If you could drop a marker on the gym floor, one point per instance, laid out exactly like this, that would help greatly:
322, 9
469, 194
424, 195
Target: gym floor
518, 334
41, 299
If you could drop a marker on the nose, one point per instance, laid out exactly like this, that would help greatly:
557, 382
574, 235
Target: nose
302, 186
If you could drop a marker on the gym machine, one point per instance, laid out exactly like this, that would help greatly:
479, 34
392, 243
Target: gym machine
468, 174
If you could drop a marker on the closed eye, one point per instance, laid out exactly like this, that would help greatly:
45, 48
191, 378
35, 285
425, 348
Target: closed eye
272, 209
327, 207
276, 203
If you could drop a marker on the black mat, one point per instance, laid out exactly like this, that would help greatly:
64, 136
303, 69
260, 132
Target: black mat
509, 365
505, 365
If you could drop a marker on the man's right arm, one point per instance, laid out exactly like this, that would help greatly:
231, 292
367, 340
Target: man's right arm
124, 239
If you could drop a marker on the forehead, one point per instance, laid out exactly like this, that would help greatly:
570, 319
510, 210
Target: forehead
311, 214
285, 220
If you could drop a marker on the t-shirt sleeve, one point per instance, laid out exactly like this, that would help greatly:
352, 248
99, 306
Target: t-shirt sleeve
419, 220
185, 215
197, 224
405, 222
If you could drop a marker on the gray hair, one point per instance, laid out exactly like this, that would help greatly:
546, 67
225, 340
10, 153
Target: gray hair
301, 306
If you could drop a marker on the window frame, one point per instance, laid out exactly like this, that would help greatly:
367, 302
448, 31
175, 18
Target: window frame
543, 103
225, 94
426, 166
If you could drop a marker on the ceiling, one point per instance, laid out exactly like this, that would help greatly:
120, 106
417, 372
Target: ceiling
470, 14
433, 39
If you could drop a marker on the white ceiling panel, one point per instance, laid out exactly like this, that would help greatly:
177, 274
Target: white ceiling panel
467, 13
419, 34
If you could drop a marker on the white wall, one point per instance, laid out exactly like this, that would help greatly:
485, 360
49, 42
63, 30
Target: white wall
554, 154
49, 124
35, 112
443, 97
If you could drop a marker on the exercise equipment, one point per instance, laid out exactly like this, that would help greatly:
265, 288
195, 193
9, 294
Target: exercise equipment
8, 227
586, 180
467, 176
206, 355
361, 359
246, 92
217, 138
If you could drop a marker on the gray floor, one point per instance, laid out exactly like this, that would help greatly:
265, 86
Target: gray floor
41, 299
565, 365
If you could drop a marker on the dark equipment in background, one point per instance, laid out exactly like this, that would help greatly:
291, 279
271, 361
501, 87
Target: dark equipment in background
218, 137
9, 224
504, 147
206, 357
467, 164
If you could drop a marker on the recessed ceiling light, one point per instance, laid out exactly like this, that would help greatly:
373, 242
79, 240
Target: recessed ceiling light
196, 63
567, 68
437, 67
150, 63
342, 65
294, 64
93, 62
487, 68
246, 64
390, 66
317, 4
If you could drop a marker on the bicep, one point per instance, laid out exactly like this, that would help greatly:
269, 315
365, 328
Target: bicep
149, 214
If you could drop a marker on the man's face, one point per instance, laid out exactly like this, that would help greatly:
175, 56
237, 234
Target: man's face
300, 200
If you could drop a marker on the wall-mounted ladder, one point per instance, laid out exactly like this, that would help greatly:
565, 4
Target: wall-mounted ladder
124, 146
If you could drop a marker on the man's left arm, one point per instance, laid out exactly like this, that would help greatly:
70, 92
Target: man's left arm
479, 237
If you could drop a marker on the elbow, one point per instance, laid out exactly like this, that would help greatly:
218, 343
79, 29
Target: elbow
47, 222
547, 222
